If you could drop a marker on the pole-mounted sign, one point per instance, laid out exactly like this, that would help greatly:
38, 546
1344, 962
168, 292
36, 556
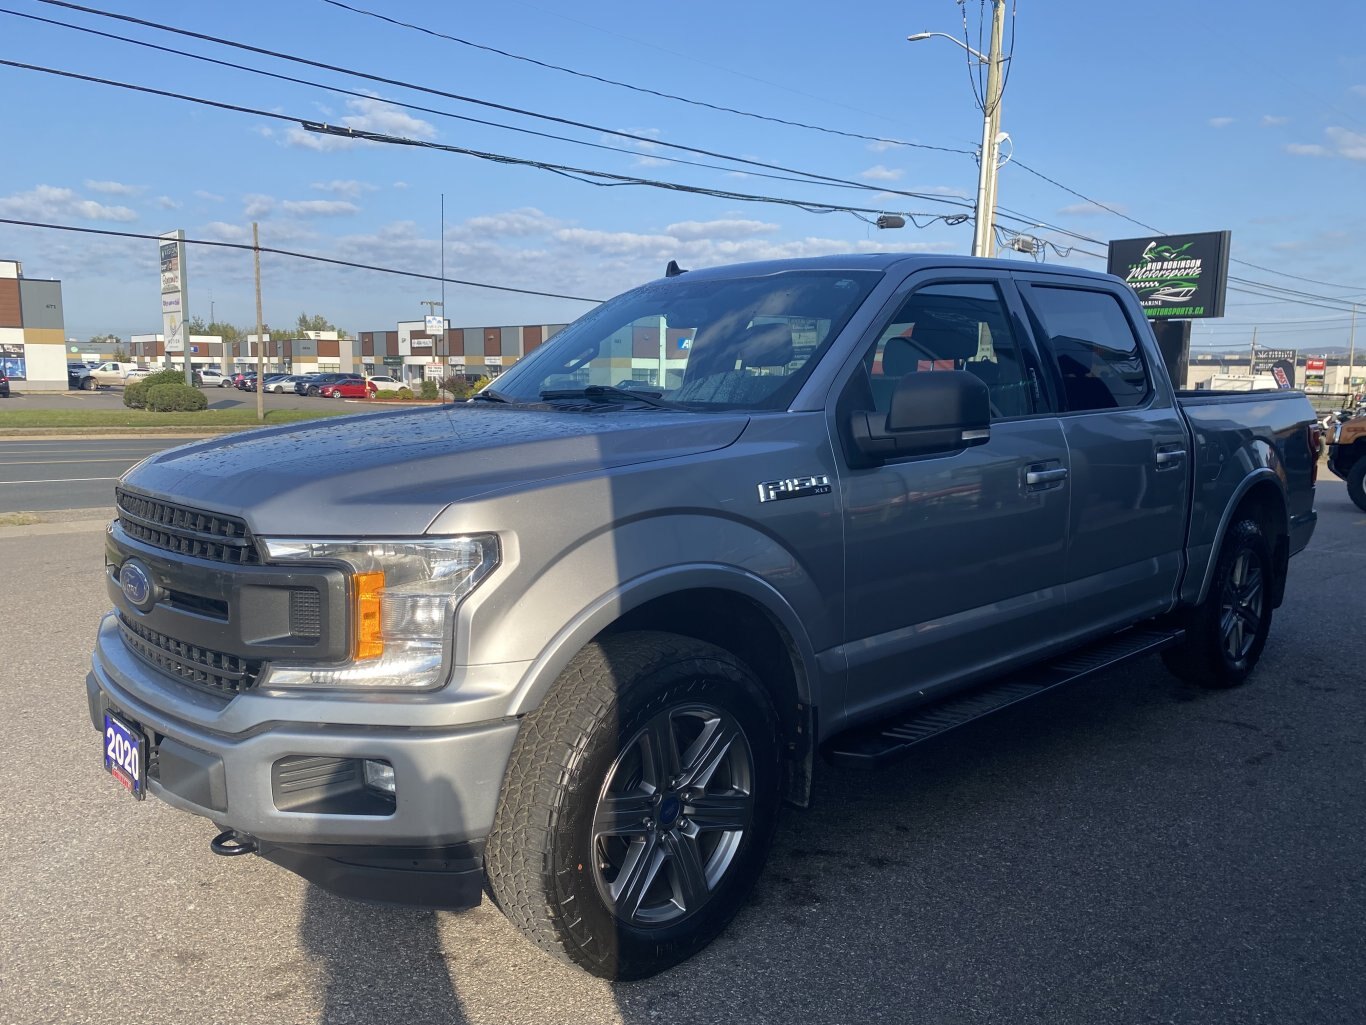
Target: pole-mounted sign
175, 299
1177, 277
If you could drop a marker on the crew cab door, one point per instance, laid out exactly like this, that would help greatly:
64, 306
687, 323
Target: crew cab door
954, 560
1129, 449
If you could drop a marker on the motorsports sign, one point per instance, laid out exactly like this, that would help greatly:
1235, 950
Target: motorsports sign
1179, 277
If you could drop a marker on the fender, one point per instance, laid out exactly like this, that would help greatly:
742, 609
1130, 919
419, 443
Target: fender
1254, 478
631, 594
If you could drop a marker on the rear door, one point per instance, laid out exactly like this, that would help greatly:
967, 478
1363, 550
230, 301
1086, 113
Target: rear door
954, 562
1129, 452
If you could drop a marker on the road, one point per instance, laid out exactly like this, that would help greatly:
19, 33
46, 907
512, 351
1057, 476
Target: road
67, 473
1128, 850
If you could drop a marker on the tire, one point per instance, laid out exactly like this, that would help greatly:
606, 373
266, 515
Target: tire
1356, 483
560, 858
336, 394
1226, 633
89, 384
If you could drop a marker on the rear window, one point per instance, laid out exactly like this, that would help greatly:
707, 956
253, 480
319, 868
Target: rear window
1093, 345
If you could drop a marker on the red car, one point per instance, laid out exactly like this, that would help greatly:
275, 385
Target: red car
350, 388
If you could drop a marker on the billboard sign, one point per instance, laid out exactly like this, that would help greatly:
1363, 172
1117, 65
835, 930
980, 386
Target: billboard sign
1177, 277
171, 247
434, 326
1314, 371
1280, 363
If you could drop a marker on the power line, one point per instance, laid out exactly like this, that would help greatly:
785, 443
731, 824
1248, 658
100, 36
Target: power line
470, 99
300, 256
585, 175
407, 106
638, 88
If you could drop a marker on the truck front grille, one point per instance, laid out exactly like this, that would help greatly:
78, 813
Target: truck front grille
186, 531
201, 667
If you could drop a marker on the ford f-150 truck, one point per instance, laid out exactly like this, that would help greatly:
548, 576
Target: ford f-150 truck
624, 602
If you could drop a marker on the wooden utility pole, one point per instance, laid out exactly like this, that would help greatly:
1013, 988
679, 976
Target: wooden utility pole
260, 330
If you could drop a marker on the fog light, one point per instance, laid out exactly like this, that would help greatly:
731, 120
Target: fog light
379, 776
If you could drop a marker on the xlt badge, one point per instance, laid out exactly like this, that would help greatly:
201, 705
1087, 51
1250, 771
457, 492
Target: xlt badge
794, 487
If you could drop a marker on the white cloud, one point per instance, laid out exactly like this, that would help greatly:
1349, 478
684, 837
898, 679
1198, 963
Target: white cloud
110, 188
1351, 145
367, 115
879, 173
167, 203
1092, 209
254, 204
1341, 143
1274, 120
348, 187
733, 228
399, 185
48, 202
318, 207
223, 231
512, 224
882, 146
211, 197
1221, 122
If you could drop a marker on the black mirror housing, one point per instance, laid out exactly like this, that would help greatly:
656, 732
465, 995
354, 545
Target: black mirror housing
932, 412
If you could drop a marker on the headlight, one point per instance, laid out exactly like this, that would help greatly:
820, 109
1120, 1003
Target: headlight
403, 597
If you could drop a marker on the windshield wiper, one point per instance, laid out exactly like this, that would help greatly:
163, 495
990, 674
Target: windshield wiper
608, 393
489, 395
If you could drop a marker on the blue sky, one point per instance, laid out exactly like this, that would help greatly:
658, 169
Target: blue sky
1177, 114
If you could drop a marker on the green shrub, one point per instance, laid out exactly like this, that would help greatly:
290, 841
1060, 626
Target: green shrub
428, 388
386, 393
478, 384
175, 398
404, 393
135, 395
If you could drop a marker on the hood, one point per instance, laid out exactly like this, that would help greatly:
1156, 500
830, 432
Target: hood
392, 473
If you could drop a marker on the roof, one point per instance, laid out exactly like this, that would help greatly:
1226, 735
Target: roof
882, 262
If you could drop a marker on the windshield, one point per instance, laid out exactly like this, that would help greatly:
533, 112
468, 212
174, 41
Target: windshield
731, 343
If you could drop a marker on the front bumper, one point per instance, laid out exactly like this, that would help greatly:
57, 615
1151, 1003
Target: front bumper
424, 847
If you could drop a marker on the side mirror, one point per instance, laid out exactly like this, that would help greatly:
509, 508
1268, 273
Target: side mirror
932, 412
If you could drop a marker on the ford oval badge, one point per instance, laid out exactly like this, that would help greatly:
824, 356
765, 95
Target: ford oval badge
135, 580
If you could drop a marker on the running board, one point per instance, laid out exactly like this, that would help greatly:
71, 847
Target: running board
868, 747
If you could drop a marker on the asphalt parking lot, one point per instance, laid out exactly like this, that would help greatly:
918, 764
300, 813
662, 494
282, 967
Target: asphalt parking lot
1128, 850
112, 398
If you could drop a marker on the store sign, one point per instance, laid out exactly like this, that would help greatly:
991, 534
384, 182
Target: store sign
1180, 277
1314, 371
1280, 363
393, 361
174, 297
493, 361
435, 326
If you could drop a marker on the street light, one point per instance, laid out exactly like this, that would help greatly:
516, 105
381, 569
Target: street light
983, 239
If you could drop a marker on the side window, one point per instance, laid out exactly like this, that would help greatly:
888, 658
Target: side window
1093, 345
953, 327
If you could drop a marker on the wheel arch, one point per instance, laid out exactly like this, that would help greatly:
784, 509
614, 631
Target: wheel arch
732, 609
1261, 495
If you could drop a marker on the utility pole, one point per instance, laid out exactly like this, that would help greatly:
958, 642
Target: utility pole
1252, 356
984, 238
260, 329
1352, 354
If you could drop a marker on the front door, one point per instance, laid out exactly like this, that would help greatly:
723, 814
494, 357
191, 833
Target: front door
954, 562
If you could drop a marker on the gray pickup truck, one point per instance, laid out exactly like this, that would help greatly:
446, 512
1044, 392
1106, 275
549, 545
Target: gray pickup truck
608, 615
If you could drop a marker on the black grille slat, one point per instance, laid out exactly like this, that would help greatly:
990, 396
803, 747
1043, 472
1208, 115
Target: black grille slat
193, 532
202, 667
305, 615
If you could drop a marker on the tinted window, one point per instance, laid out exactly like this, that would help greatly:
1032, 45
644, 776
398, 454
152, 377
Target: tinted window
953, 327
1094, 347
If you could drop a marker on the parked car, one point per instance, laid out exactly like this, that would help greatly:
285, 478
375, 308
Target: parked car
315, 382
578, 643
248, 383
209, 376
78, 376
349, 388
302, 381
4, 385
385, 383
283, 383
1347, 455
116, 372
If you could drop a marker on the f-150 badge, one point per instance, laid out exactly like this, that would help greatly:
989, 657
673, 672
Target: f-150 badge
793, 487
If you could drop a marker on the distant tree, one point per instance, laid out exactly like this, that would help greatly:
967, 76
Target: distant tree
197, 326
120, 354
317, 322
105, 340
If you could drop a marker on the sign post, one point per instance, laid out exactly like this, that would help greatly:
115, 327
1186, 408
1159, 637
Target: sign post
175, 300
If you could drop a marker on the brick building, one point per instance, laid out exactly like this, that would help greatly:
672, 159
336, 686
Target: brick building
32, 330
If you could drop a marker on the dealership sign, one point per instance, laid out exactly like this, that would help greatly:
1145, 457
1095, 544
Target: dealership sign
1279, 363
1179, 277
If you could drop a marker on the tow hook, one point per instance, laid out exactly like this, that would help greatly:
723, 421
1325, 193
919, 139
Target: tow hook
231, 844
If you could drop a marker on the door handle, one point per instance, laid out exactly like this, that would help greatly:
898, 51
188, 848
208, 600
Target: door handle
1170, 457
1034, 478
